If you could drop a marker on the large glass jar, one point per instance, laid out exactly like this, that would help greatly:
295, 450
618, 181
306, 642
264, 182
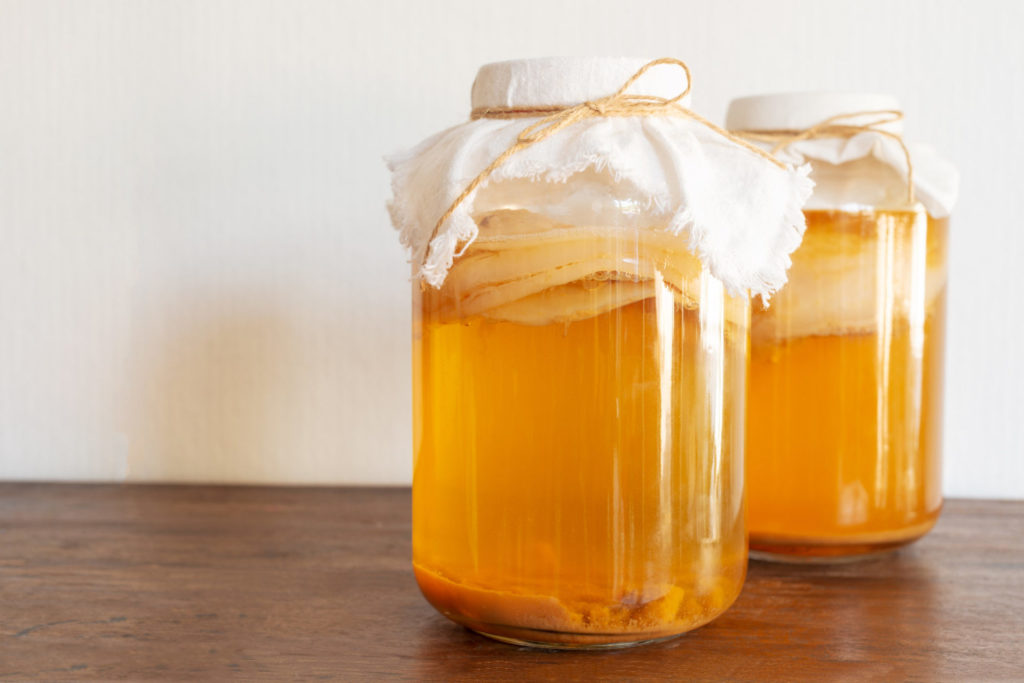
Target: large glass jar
578, 475
846, 375
581, 330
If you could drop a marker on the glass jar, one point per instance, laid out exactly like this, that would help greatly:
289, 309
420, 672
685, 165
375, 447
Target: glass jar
846, 374
578, 476
579, 373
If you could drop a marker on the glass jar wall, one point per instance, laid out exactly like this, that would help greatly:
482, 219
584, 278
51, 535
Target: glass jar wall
846, 388
579, 384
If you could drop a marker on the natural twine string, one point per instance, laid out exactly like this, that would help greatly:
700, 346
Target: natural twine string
619, 104
832, 128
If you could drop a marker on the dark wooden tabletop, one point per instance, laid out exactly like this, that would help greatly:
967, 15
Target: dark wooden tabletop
211, 583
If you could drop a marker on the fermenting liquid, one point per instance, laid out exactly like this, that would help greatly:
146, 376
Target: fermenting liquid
845, 411
578, 476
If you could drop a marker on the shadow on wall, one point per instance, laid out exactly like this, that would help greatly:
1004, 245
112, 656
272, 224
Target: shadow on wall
215, 393
240, 388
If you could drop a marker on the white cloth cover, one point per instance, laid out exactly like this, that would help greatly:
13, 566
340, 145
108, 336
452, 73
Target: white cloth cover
936, 181
739, 213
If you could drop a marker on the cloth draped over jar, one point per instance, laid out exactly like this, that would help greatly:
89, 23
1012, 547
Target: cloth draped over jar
738, 212
935, 180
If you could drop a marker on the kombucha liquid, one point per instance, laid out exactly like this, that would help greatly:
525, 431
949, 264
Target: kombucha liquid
578, 476
845, 408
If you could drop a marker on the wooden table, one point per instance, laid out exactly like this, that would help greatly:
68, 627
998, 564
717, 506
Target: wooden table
185, 582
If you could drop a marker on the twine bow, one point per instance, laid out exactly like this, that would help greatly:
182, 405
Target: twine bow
621, 103
833, 127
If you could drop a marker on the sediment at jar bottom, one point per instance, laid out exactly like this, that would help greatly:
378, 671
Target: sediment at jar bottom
545, 619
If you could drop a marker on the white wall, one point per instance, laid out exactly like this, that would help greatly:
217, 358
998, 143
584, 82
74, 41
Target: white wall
197, 276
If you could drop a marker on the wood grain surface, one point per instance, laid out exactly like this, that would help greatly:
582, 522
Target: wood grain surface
215, 583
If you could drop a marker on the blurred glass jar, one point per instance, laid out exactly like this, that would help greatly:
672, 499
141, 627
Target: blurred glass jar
845, 411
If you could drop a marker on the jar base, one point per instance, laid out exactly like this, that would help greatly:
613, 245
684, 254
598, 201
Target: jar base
582, 645
818, 555
541, 621
813, 551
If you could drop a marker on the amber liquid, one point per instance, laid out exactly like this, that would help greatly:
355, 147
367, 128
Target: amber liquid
845, 410
580, 482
